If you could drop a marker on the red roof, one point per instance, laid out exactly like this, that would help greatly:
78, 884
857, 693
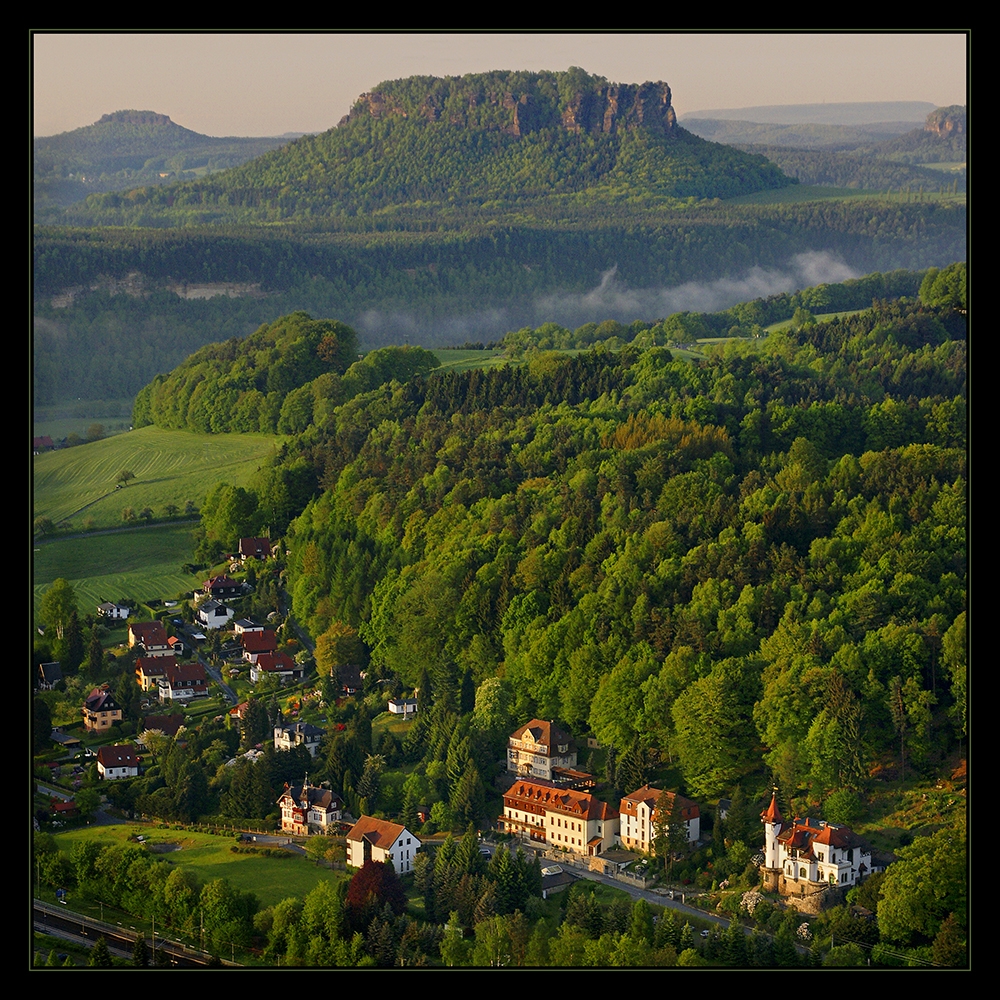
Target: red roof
148, 633
259, 642
118, 756
772, 814
275, 662
378, 832
561, 800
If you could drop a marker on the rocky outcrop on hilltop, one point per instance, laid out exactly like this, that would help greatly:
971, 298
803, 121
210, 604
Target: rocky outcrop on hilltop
519, 103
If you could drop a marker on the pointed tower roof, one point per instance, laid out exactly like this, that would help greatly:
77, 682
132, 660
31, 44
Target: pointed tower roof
772, 814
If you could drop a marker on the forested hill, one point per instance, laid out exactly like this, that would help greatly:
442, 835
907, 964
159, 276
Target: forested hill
504, 138
125, 149
753, 567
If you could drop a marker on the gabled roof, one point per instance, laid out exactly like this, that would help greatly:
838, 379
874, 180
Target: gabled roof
255, 546
259, 642
101, 700
154, 666
546, 734
303, 728
50, 672
167, 724
650, 796
177, 673
309, 795
118, 756
802, 834
378, 832
148, 633
220, 583
276, 662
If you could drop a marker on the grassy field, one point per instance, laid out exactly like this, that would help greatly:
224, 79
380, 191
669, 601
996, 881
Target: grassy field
170, 467
140, 563
209, 857
461, 361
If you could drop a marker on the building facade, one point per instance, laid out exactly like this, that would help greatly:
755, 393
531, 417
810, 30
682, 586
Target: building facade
373, 839
535, 750
808, 856
639, 816
547, 815
305, 807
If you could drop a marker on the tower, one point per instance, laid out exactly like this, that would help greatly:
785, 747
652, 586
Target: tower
771, 818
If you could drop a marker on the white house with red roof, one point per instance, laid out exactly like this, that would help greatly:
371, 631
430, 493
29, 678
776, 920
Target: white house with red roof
276, 663
638, 817
151, 636
809, 855
255, 643
182, 682
564, 818
118, 761
373, 839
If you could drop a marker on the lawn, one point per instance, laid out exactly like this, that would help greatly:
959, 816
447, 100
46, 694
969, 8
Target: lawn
209, 857
142, 563
175, 467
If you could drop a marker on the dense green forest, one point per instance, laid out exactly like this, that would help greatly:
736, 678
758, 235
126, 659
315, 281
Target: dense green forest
744, 570
731, 562
434, 287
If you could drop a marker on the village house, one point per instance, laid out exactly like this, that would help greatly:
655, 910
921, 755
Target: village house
280, 664
299, 734
545, 814
254, 548
182, 682
808, 856
255, 643
638, 818
118, 761
115, 612
49, 675
214, 614
373, 839
150, 669
100, 710
221, 587
406, 707
242, 625
539, 749
151, 636
304, 806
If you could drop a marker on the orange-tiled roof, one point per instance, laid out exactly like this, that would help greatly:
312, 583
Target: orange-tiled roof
378, 832
562, 800
772, 814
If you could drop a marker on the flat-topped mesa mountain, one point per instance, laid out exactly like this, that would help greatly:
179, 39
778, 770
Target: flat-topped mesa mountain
517, 103
439, 146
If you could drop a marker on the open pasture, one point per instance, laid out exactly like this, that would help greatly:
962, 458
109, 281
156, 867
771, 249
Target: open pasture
141, 563
78, 484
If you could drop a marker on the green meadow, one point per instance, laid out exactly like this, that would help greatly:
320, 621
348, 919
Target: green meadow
209, 857
78, 484
141, 563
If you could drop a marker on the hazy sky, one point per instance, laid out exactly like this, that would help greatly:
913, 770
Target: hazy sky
268, 84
